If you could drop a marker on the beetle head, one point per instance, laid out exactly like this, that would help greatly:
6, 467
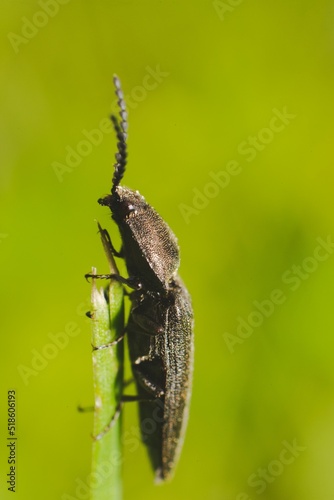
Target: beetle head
150, 247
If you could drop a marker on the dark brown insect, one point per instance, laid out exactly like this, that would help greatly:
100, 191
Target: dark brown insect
160, 323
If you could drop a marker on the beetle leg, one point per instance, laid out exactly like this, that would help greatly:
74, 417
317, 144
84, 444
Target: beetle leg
143, 321
129, 398
109, 242
110, 344
144, 324
85, 409
124, 399
111, 423
144, 377
130, 282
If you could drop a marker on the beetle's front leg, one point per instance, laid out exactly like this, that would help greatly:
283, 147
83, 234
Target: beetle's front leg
130, 282
141, 323
105, 236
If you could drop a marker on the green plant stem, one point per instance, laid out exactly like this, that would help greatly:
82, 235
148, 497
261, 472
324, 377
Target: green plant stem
108, 325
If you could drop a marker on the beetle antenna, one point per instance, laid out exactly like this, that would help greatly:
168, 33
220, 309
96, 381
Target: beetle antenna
121, 134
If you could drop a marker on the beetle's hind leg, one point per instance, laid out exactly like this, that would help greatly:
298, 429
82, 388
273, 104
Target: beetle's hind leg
125, 399
111, 423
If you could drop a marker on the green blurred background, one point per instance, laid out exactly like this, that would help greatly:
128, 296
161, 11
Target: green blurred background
204, 82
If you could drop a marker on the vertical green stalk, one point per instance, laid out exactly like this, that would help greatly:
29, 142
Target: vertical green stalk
108, 325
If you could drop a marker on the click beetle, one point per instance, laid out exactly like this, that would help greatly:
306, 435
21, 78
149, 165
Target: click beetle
160, 324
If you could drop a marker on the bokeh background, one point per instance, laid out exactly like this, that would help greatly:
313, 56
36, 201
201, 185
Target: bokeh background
231, 140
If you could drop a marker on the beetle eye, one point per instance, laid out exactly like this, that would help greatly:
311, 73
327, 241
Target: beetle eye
128, 208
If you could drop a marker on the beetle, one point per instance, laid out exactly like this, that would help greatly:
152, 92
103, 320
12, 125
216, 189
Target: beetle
160, 323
